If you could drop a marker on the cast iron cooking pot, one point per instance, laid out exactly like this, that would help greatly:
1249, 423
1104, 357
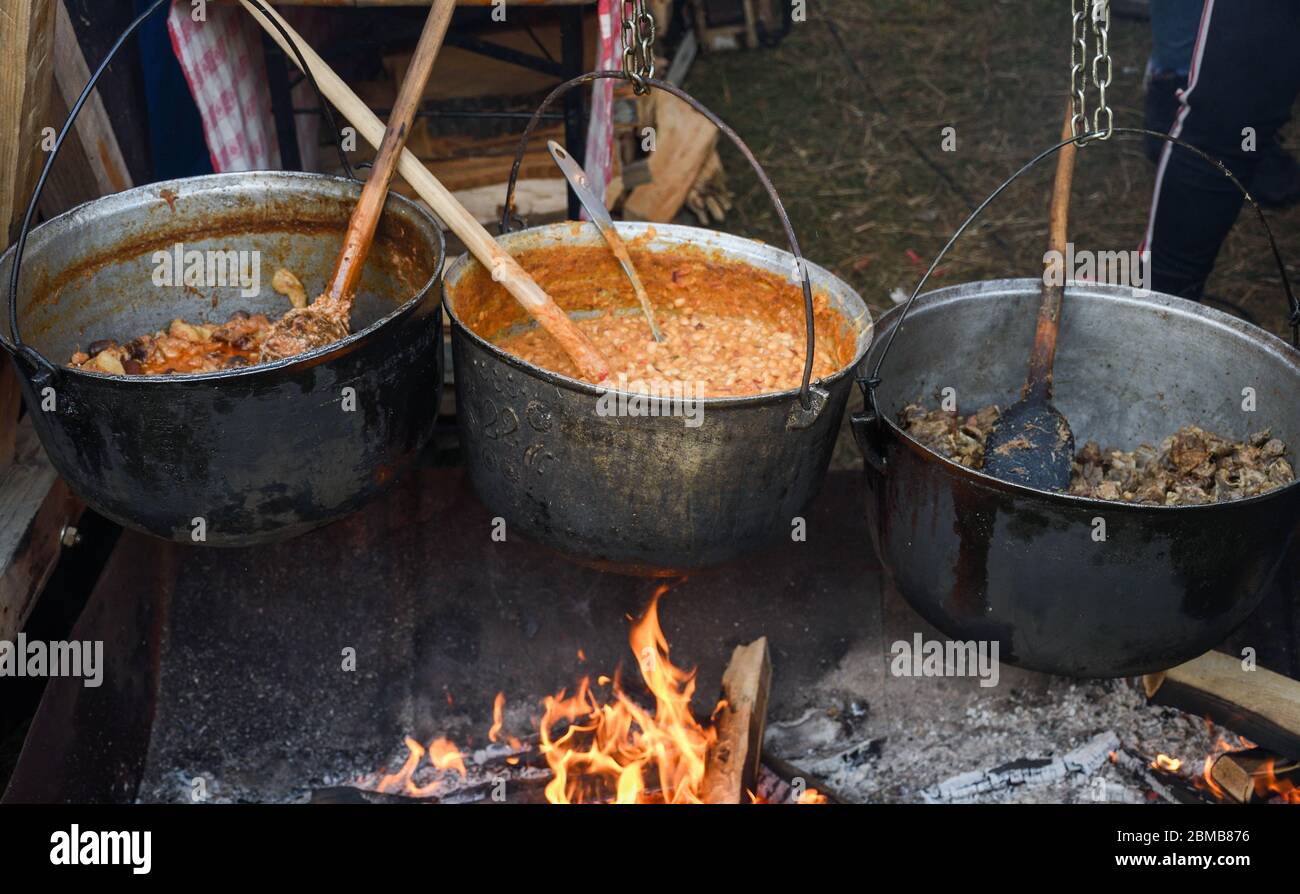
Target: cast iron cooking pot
239, 456
643, 494
984, 559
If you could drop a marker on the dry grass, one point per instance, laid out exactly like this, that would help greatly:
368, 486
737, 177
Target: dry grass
865, 205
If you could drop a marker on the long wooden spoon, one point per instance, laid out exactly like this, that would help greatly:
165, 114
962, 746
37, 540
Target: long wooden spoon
504, 268
326, 319
1031, 443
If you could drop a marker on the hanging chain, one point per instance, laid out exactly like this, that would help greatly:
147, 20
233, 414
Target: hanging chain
1094, 15
638, 43
1101, 68
1078, 68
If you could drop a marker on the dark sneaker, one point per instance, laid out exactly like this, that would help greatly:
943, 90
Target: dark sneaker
1161, 109
1276, 183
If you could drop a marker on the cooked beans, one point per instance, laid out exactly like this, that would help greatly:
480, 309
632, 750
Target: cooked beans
729, 329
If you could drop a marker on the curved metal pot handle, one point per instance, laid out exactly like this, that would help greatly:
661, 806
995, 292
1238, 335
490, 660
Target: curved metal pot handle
865, 424
43, 371
811, 400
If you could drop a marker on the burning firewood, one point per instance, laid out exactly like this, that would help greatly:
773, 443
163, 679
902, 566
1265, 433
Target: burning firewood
732, 768
1258, 704
1255, 775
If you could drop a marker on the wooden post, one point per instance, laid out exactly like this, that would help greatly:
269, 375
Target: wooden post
26, 73
35, 506
733, 761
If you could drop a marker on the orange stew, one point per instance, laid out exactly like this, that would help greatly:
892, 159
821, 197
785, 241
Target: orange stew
181, 348
730, 329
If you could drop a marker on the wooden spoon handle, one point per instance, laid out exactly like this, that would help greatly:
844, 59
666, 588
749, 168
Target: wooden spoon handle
504, 268
365, 217
1043, 357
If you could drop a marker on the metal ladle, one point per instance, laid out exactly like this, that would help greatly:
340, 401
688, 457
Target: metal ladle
599, 215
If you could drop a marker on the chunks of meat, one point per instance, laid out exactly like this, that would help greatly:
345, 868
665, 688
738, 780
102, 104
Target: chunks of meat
1190, 467
243, 340
305, 328
181, 348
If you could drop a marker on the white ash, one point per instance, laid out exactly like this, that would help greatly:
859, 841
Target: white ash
915, 738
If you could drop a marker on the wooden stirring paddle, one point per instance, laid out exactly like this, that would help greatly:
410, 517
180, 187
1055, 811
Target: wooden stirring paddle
326, 319
505, 269
1031, 443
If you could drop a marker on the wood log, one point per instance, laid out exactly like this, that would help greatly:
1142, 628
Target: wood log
1082, 761
684, 140
792, 776
732, 768
1245, 776
1167, 785
1258, 704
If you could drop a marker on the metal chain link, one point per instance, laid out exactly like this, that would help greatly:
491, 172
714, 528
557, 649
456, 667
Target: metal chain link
1094, 15
638, 43
1101, 67
1078, 68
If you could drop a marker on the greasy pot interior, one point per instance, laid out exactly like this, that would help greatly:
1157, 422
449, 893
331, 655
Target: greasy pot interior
1131, 367
97, 272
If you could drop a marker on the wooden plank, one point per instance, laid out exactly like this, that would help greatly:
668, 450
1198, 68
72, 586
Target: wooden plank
684, 140
732, 770
1258, 704
35, 506
99, 142
26, 66
71, 181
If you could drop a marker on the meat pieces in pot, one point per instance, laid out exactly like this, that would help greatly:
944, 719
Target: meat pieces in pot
243, 340
181, 348
1190, 467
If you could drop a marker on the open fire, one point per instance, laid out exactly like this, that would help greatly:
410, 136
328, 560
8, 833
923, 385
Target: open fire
599, 744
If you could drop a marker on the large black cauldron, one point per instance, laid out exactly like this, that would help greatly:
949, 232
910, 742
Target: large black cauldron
984, 559
239, 456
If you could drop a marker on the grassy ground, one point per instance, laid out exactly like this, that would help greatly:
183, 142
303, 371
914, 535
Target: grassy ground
867, 206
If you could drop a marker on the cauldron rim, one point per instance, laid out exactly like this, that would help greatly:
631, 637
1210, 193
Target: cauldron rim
889, 320
865, 334
322, 354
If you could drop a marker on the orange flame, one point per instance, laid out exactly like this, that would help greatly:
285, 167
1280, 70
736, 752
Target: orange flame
604, 748
443, 755
1165, 762
1268, 785
608, 750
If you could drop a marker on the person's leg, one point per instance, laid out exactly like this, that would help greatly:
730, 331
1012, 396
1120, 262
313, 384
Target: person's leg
1245, 73
1174, 24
